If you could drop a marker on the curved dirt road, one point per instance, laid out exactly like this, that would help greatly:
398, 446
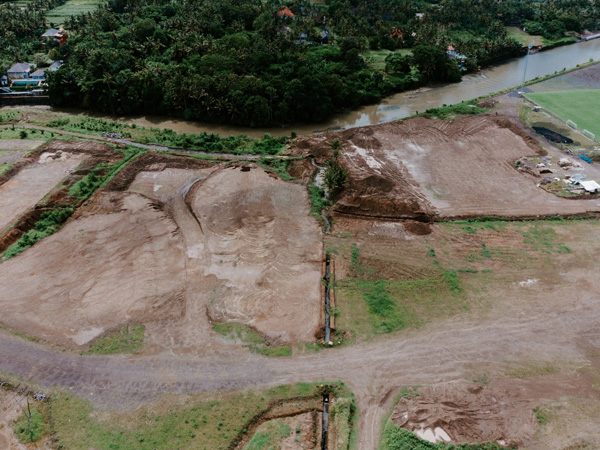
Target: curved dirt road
374, 371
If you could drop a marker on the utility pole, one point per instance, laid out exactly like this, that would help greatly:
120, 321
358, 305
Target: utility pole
526, 61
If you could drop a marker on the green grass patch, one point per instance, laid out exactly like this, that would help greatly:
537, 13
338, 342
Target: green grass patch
451, 111
317, 201
397, 438
204, 142
524, 38
544, 239
203, 421
279, 166
375, 59
5, 167
49, 223
270, 436
30, 428
542, 416
128, 339
580, 106
250, 339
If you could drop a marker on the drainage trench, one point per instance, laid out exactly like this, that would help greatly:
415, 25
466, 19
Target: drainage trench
325, 421
327, 299
320, 183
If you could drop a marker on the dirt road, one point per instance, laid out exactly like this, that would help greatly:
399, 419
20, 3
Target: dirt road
424, 356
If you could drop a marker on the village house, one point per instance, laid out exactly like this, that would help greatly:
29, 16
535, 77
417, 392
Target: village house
55, 66
19, 71
39, 74
58, 35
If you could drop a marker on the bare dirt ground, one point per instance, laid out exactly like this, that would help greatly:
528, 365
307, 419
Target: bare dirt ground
175, 246
11, 407
266, 249
425, 169
174, 252
19, 144
22, 191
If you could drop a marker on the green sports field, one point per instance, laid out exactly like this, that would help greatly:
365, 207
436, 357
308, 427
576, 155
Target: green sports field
580, 106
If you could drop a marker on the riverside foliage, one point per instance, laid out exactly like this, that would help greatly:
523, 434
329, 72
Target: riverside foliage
247, 63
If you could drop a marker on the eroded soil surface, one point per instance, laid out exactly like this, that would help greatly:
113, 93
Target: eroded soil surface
433, 169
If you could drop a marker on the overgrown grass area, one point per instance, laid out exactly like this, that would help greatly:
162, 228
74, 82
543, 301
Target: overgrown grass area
203, 421
370, 302
27, 134
449, 112
317, 201
578, 105
279, 166
397, 438
250, 339
270, 436
30, 426
376, 58
205, 142
127, 339
5, 167
50, 223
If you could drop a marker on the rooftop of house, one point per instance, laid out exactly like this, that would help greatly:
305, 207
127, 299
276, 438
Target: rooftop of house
39, 73
20, 67
286, 12
50, 33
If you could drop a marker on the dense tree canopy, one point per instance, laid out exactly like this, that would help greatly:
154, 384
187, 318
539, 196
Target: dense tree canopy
245, 62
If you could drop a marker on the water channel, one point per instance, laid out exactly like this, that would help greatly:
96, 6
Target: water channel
491, 79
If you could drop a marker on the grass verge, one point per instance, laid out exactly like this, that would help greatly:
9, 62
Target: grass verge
128, 339
250, 339
203, 421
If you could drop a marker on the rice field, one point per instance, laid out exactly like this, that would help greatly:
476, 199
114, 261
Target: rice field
58, 16
579, 106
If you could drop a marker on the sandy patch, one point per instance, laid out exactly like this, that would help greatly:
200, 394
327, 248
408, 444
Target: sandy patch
21, 192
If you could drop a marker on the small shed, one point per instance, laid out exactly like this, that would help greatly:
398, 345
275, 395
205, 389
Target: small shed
590, 186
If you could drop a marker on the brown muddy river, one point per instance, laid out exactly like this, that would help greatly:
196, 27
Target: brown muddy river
404, 104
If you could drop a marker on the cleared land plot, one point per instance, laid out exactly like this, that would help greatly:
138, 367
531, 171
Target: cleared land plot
390, 279
242, 248
21, 192
58, 16
425, 168
524, 38
262, 245
579, 106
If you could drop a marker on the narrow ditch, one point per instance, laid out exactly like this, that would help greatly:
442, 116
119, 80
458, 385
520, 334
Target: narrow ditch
319, 182
327, 298
325, 421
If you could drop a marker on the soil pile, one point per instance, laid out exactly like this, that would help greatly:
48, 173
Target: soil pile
467, 413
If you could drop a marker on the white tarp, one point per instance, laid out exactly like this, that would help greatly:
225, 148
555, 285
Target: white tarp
590, 185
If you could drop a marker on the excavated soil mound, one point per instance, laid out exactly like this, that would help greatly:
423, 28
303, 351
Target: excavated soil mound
467, 413
417, 228
429, 169
265, 250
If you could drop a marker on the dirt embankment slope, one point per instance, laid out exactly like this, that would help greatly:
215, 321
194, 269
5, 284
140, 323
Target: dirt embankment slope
428, 169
